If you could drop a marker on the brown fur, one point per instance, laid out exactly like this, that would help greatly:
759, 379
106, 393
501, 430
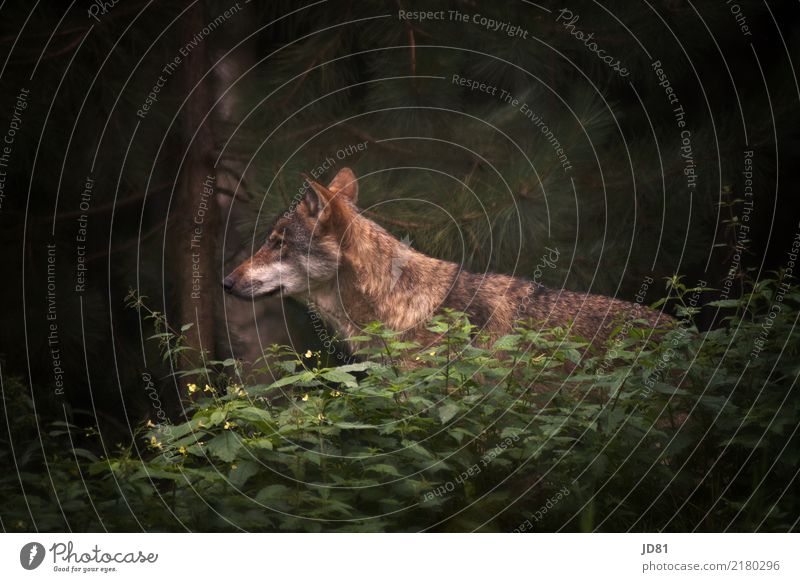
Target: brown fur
346, 267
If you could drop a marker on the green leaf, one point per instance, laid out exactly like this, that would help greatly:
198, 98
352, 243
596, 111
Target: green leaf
336, 375
359, 367
85, 454
261, 443
225, 447
507, 342
243, 471
217, 417
253, 414
384, 469
293, 379
272, 493
447, 411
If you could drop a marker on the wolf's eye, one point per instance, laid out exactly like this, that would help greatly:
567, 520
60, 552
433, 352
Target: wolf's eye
276, 242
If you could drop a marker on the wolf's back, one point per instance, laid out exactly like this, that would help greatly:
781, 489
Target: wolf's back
495, 302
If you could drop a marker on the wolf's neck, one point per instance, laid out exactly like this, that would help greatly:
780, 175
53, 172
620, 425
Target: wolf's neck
381, 279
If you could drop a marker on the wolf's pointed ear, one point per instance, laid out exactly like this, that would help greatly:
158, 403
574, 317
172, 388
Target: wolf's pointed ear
317, 199
346, 184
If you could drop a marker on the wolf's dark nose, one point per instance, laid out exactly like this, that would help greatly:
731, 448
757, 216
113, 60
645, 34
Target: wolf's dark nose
227, 284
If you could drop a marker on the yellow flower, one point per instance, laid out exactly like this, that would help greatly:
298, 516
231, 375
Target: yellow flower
228, 425
308, 354
233, 467
150, 424
208, 389
305, 397
335, 393
192, 388
320, 417
182, 450
154, 443
433, 353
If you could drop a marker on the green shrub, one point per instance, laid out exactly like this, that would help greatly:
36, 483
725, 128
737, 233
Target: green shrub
683, 431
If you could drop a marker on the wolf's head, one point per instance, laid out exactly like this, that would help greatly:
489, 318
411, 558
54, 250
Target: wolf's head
303, 248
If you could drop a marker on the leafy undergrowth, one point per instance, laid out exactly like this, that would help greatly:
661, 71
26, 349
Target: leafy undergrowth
674, 430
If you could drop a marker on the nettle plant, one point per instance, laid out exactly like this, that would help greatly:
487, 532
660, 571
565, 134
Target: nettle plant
687, 430
478, 434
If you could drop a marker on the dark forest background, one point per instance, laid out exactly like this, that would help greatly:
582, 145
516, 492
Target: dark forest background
265, 91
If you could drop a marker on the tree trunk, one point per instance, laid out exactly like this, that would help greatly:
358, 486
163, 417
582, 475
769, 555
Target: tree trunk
196, 214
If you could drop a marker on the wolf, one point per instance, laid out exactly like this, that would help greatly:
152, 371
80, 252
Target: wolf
351, 271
